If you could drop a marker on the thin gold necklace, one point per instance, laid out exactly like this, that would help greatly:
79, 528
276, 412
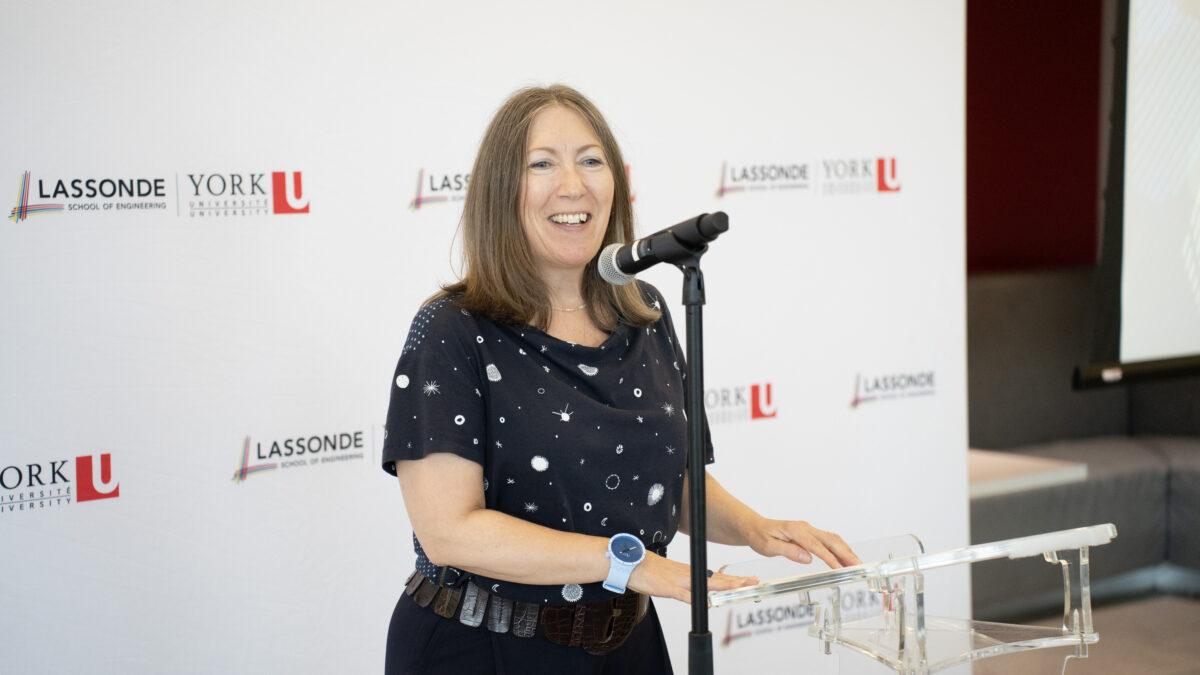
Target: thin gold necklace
568, 309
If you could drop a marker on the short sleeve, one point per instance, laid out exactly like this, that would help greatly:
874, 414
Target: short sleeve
436, 403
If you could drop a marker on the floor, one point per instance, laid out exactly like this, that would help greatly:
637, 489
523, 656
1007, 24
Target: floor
1153, 636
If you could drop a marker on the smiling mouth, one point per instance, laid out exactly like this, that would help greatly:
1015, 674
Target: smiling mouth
570, 218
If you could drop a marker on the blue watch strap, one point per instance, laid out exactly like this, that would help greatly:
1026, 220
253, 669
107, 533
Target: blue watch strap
618, 575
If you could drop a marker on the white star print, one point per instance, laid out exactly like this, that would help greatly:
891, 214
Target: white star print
499, 444
565, 413
670, 450
544, 349
635, 476
669, 409
530, 507
639, 419
511, 481
431, 388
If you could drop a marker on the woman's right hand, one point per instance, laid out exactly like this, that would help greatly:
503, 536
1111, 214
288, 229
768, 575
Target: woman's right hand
665, 578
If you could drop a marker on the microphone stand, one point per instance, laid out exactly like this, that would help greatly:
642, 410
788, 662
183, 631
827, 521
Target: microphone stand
700, 647
682, 246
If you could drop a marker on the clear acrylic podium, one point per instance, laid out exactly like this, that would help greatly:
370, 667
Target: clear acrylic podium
902, 637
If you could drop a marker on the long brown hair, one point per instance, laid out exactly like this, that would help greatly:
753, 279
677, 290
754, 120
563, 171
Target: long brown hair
501, 279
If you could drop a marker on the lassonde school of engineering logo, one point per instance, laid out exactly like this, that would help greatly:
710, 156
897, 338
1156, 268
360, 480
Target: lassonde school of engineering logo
828, 176
207, 195
293, 452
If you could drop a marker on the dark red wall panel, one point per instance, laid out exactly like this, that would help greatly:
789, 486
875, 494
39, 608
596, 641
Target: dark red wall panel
1033, 96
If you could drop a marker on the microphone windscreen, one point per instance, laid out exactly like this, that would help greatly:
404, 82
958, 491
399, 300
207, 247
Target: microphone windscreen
608, 266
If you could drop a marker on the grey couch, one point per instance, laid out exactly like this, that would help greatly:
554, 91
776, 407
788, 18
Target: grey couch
1141, 444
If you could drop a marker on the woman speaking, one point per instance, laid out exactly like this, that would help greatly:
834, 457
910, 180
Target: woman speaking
537, 426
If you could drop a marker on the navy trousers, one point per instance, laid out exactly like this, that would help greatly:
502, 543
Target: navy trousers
423, 643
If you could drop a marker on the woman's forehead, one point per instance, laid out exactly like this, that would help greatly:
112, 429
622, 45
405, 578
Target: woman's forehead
558, 125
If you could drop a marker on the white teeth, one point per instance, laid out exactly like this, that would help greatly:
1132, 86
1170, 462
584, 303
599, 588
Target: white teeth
569, 218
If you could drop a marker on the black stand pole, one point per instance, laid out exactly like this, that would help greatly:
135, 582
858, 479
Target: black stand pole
682, 246
700, 649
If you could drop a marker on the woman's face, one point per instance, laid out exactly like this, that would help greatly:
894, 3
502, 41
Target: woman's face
568, 191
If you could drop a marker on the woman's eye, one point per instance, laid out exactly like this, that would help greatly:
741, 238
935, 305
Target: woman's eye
592, 161
543, 164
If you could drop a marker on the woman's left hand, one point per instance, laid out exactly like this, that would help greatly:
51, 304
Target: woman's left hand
799, 541
732, 522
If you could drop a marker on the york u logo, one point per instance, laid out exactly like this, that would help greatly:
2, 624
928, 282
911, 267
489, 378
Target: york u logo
885, 175
235, 185
288, 192
762, 404
95, 482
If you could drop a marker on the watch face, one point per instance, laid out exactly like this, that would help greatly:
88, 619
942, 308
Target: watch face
627, 548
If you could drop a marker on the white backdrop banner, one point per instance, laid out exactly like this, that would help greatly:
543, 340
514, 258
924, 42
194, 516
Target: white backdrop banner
223, 215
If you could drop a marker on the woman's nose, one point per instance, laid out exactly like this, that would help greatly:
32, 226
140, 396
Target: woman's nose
571, 184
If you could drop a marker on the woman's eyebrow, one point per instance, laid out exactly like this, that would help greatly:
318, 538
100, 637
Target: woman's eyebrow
590, 146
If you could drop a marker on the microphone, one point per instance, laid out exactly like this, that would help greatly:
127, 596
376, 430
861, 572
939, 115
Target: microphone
619, 262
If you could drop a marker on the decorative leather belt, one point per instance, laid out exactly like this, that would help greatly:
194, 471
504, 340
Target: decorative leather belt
598, 627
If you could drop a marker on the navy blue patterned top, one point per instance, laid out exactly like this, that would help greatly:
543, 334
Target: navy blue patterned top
580, 439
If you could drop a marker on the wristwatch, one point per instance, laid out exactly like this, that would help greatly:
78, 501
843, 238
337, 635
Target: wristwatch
624, 553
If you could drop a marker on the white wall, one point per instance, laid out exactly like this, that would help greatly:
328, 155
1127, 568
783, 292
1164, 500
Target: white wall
164, 340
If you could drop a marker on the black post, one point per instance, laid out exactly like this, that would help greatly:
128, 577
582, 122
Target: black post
700, 654
682, 245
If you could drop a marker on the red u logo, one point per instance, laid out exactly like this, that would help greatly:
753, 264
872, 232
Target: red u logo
287, 192
761, 403
89, 487
885, 175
